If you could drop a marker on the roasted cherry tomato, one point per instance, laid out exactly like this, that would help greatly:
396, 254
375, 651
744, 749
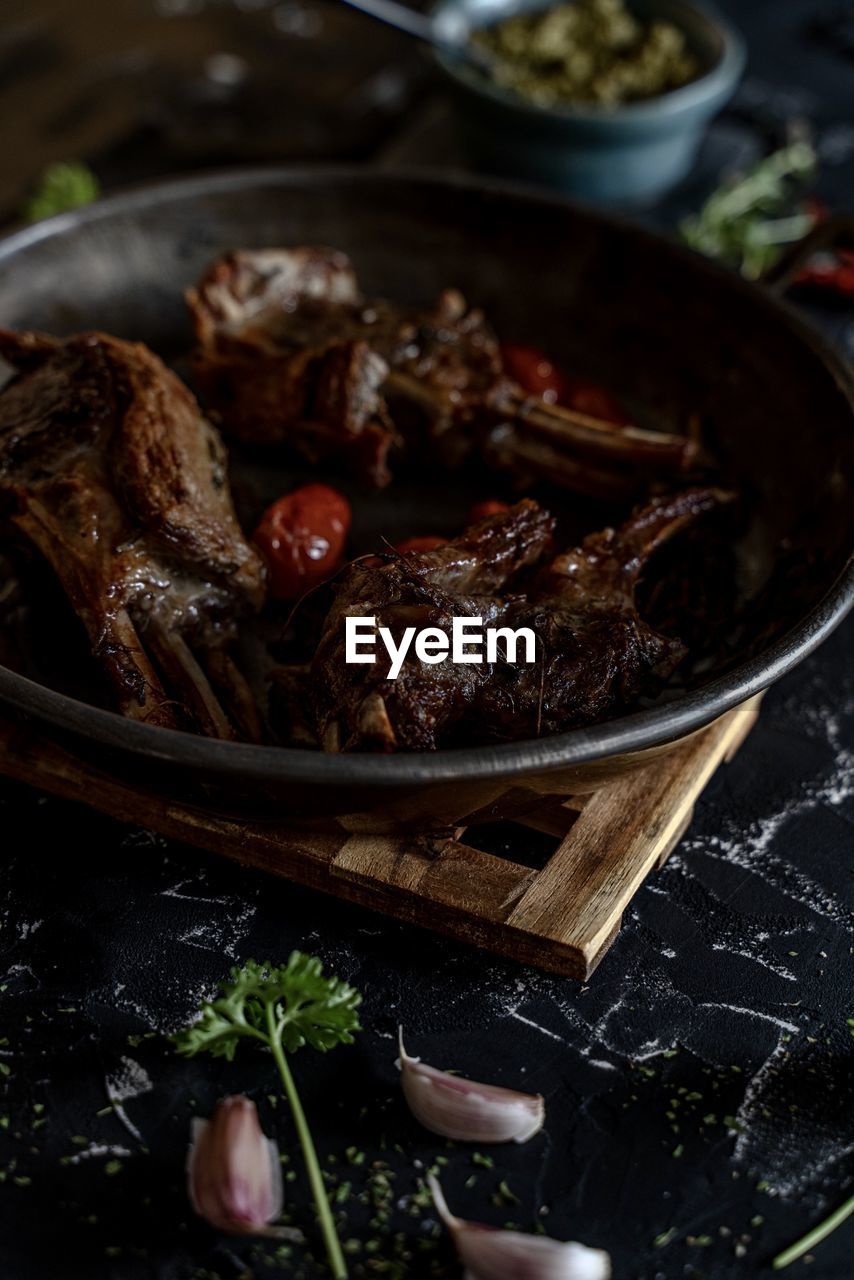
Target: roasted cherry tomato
533, 371
536, 374
480, 510
302, 537
595, 401
427, 542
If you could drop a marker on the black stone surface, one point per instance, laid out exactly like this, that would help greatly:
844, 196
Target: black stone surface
700, 1091
700, 1083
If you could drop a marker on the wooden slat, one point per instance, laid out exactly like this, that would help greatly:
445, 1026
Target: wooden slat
562, 918
617, 840
666, 851
745, 718
469, 881
302, 856
553, 818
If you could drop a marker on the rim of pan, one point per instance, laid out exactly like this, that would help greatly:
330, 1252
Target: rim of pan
650, 727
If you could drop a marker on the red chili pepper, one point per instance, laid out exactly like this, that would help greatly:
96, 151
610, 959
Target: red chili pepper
480, 510
815, 209
302, 537
427, 542
834, 272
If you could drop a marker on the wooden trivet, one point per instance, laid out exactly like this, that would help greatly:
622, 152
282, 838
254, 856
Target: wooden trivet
562, 917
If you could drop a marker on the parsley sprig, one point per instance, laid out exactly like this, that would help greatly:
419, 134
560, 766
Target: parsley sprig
750, 218
284, 1009
65, 185
814, 1237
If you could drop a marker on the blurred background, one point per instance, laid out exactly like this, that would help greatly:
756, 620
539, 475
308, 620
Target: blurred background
136, 89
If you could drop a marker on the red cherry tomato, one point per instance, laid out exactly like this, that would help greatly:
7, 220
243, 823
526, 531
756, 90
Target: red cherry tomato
533, 371
302, 537
480, 510
536, 375
427, 542
597, 402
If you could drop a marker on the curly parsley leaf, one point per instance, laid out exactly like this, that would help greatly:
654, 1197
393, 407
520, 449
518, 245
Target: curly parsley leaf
62, 186
283, 1008
308, 1009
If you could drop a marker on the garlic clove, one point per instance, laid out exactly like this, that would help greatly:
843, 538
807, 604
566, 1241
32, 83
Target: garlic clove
491, 1253
234, 1177
465, 1110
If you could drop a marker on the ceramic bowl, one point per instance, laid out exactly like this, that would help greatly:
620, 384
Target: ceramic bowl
614, 155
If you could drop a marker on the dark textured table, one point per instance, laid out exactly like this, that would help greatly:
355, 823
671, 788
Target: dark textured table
700, 1090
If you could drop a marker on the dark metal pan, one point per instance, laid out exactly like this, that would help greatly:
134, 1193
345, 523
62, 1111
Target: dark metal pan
665, 328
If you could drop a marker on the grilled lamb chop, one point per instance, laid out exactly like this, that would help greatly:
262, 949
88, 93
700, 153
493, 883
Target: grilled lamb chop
109, 469
289, 351
282, 356
596, 655
357, 707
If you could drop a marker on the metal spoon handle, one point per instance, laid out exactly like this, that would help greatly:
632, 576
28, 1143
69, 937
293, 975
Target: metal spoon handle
399, 16
422, 27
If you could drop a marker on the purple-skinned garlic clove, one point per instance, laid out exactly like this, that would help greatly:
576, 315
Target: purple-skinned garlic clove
234, 1176
464, 1110
491, 1253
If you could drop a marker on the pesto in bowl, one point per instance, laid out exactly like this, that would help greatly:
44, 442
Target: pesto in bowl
587, 52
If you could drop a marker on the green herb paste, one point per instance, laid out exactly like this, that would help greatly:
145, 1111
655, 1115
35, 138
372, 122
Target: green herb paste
592, 52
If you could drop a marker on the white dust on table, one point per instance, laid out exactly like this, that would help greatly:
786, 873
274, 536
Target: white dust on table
214, 924
752, 942
127, 1082
529, 1022
758, 848
782, 1023
607, 1033
174, 993
818, 713
821, 1145
226, 917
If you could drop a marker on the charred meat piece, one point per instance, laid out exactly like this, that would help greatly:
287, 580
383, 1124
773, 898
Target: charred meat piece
594, 654
356, 706
289, 351
283, 356
109, 469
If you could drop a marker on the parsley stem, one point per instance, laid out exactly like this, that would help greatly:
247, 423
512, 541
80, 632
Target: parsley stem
815, 1236
315, 1177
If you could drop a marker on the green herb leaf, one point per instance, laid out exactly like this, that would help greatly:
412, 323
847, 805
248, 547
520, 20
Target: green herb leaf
749, 219
284, 1008
62, 186
308, 1008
